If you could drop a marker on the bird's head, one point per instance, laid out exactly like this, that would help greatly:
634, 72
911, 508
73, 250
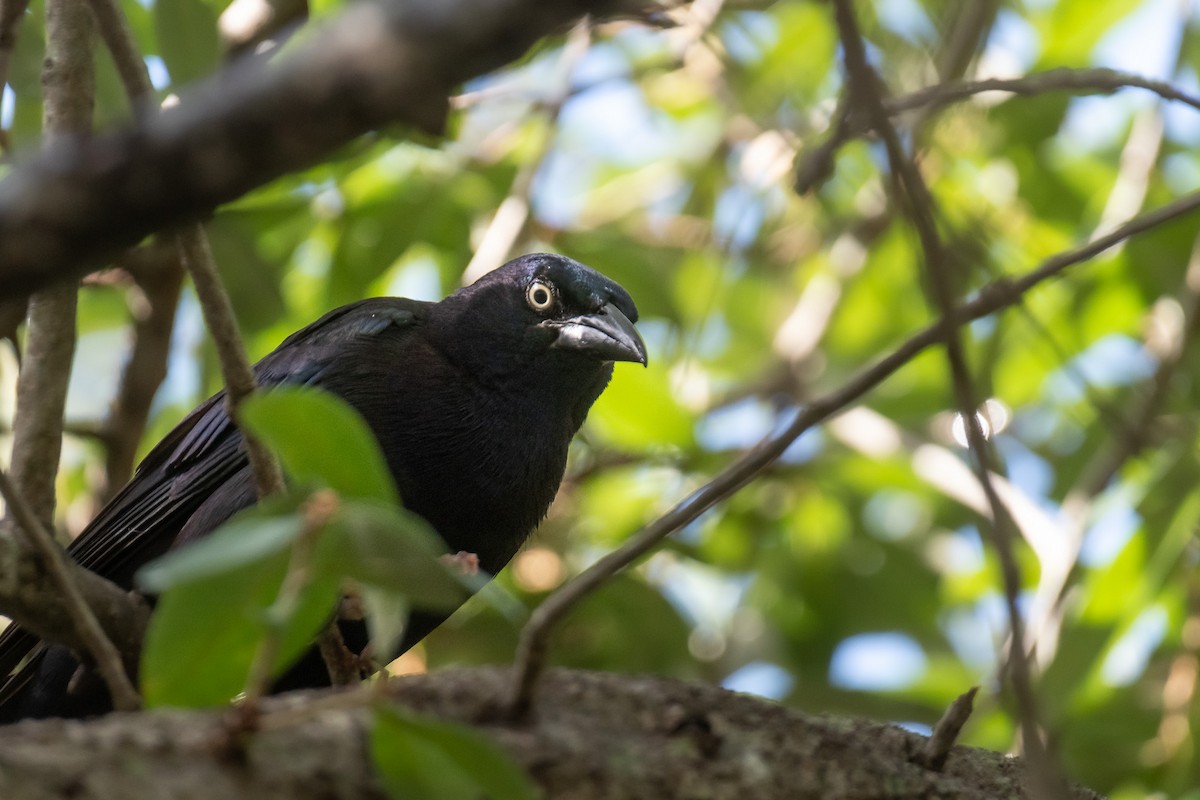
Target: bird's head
544, 310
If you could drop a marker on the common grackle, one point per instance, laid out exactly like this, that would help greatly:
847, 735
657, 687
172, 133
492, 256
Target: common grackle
473, 399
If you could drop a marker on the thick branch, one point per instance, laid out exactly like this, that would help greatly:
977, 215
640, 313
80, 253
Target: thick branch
606, 736
81, 202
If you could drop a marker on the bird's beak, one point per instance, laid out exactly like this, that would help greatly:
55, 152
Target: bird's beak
607, 334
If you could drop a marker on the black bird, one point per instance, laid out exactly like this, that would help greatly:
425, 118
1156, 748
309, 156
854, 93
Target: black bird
474, 401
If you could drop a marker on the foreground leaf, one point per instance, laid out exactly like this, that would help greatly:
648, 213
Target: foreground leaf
419, 757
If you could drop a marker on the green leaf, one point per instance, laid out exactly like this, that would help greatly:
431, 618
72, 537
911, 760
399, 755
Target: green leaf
393, 556
321, 439
187, 38
214, 611
387, 617
249, 538
638, 411
390, 548
419, 757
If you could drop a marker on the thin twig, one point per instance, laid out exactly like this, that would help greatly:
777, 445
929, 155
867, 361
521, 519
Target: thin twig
534, 642
197, 259
941, 740
194, 252
118, 37
154, 301
812, 170
99, 646
235, 368
1082, 81
316, 511
864, 87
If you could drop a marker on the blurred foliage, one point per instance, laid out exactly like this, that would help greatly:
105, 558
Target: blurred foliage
856, 575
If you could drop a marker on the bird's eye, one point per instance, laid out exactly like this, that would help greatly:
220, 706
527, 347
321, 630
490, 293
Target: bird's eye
539, 296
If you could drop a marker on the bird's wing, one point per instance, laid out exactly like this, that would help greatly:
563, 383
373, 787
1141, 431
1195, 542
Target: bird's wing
204, 452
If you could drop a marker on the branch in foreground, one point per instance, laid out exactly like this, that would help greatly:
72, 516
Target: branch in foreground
79, 203
605, 736
108, 659
534, 642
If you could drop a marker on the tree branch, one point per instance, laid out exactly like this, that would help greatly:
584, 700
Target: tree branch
158, 274
81, 202
96, 643
608, 736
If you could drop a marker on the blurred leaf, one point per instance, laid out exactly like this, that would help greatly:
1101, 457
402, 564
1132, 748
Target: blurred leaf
638, 411
187, 36
420, 757
251, 537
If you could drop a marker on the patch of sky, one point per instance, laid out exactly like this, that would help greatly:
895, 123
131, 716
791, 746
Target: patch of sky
704, 596
665, 207
1182, 121
916, 727
613, 121
418, 278
974, 631
1181, 171
1114, 360
8, 106
738, 216
157, 69
693, 532
1046, 426
736, 426
983, 327
748, 35
640, 43
182, 383
560, 187
1127, 659
960, 551
1095, 123
892, 515
708, 339
877, 662
1145, 42
657, 334
604, 61
760, 678
95, 370
807, 447
1114, 521
907, 19
1027, 471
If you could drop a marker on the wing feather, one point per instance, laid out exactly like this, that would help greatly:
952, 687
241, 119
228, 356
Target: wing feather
195, 460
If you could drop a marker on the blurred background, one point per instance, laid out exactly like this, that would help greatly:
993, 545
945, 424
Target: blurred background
852, 577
